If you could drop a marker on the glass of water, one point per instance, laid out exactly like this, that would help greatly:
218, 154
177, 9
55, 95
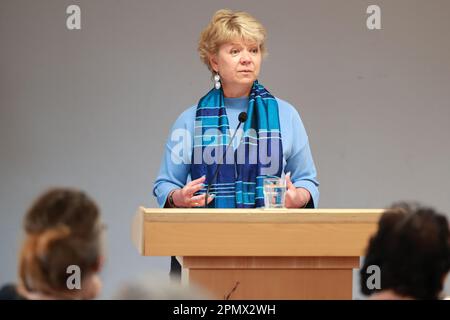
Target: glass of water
274, 193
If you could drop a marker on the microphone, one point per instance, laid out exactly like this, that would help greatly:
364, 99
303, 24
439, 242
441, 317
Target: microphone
242, 118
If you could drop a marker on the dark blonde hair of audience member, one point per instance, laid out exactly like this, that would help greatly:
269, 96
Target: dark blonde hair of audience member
412, 250
226, 26
62, 228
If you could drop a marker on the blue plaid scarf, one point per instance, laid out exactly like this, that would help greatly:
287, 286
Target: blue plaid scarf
239, 182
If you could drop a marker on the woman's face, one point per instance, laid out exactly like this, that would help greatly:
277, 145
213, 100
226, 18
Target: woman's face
238, 64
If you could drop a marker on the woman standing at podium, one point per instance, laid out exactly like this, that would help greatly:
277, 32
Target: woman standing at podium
273, 142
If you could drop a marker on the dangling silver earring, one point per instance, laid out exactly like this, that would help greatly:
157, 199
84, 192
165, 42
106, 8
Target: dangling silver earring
217, 84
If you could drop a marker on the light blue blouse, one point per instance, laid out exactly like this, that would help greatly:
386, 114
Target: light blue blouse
297, 158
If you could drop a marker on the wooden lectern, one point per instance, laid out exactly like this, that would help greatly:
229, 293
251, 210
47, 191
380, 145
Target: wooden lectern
258, 253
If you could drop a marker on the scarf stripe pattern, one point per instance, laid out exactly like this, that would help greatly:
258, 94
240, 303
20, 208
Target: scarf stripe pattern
239, 182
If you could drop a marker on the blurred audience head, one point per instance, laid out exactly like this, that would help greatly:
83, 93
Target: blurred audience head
62, 232
158, 286
412, 250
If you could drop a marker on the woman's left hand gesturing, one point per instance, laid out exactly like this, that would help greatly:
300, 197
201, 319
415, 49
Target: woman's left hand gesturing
295, 197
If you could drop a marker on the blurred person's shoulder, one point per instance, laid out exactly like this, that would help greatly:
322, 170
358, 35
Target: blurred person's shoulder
156, 285
9, 292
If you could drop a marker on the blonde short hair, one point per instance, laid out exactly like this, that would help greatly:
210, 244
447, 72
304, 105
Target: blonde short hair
227, 25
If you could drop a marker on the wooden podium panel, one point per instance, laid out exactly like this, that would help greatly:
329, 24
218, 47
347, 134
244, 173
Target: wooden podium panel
272, 277
261, 254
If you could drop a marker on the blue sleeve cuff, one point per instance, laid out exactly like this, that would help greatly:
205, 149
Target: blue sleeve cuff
162, 192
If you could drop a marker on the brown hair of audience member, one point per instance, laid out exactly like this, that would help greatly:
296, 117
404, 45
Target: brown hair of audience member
412, 250
62, 228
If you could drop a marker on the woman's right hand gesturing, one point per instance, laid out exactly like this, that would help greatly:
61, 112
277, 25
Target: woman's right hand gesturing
185, 198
